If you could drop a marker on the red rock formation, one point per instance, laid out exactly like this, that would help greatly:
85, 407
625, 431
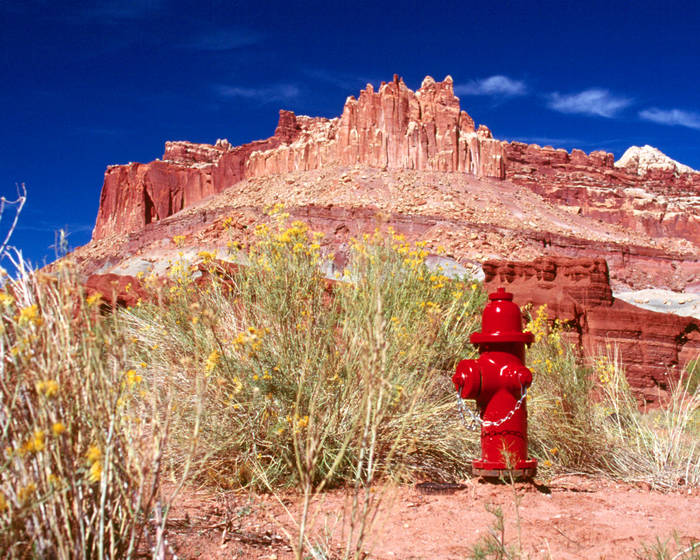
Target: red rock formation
577, 291
390, 128
658, 202
115, 289
397, 128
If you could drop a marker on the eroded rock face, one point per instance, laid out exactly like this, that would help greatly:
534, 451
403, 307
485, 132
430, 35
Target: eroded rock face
651, 345
645, 191
397, 128
115, 290
394, 128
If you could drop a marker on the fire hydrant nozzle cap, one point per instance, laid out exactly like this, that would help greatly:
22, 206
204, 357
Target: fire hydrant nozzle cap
502, 321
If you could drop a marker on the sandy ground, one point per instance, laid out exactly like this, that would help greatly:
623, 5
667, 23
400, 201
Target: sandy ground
570, 517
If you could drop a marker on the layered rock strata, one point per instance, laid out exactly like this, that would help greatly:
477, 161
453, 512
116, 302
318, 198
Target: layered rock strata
650, 345
659, 200
393, 128
397, 128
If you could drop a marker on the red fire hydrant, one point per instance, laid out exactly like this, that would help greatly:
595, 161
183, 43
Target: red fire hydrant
498, 380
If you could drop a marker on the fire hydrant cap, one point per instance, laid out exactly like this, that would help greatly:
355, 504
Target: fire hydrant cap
501, 321
467, 379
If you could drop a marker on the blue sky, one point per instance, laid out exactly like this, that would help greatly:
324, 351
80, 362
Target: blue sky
85, 85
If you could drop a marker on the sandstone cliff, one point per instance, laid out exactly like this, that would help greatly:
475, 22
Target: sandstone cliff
393, 127
397, 128
651, 345
659, 199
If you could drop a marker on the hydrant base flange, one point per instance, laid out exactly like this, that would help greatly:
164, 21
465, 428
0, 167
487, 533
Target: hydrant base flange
491, 469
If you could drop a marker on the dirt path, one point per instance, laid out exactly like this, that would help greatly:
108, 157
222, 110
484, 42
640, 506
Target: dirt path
572, 517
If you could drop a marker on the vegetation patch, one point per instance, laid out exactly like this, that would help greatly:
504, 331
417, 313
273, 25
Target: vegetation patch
273, 376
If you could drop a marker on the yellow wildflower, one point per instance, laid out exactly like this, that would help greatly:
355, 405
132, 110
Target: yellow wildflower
58, 428
212, 361
94, 454
26, 492
3, 503
94, 299
95, 473
34, 444
29, 314
132, 378
48, 388
6, 299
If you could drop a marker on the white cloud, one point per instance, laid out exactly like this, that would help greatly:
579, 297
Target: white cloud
264, 94
342, 80
494, 85
671, 117
594, 101
549, 141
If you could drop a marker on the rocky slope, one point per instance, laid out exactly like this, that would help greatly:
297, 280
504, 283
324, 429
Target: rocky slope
472, 219
416, 162
659, 200
397, 128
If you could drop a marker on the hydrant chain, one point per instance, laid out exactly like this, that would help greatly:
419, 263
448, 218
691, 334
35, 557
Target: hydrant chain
462, 408
475, 420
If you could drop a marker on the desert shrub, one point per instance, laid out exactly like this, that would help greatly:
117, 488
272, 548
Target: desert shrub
659, 446
564, 421
586, 419
285, 367
294, 365
78, 474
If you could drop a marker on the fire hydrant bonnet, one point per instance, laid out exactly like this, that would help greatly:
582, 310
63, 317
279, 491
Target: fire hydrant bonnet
501, 321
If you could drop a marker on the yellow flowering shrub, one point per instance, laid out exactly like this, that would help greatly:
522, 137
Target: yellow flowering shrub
59, 396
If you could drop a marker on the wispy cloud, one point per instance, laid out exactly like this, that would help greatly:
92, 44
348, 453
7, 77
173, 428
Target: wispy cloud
595, 101
671, 117
493, 85
550, 141
224, 40
341, 80
277, 92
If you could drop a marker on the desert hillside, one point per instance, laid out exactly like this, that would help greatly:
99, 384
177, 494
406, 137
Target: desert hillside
417, 162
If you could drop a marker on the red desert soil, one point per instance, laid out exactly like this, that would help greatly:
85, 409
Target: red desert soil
571, 517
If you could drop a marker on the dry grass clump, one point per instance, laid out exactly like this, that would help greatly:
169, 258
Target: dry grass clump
294, 364
564, 421
79, 473
660, 447
587, 419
